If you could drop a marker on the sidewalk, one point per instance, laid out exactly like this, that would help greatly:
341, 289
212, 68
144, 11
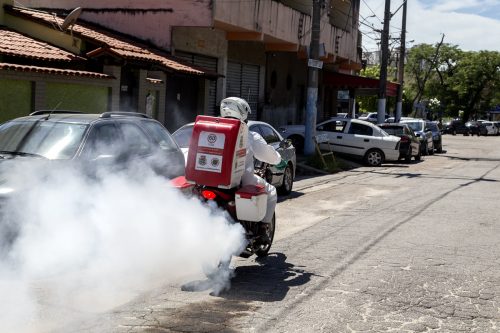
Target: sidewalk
305, 170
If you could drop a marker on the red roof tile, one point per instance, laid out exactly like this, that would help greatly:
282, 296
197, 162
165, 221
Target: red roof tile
113, 43
13, 43
56, 71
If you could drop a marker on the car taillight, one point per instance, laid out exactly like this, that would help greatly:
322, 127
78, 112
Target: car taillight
209, 195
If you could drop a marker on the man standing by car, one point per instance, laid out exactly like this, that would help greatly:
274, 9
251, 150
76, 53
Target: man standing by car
238, 108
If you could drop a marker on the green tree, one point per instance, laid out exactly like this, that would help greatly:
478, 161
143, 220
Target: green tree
423, 59
476, 82
368, 103
447, 62
461, 81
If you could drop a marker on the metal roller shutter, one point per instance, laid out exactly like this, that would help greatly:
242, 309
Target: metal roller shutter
233, 80
210, 64
250, 87
243, 81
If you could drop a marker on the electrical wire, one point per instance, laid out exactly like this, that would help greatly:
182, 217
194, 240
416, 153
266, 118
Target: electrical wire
372, 10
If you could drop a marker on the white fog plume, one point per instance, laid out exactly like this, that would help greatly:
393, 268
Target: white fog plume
92, 243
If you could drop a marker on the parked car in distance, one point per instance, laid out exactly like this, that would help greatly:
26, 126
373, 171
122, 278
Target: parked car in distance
455, 127
353, 137
476, 128
497, 124
282, 180
437, 138
423, 133
372, 117
409, 145
490, 128
391, 119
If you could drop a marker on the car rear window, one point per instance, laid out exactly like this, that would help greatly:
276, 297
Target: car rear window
268, 134
160, 135
393, 130
183, 136
360, 129
53, 140
432, 127
415, 125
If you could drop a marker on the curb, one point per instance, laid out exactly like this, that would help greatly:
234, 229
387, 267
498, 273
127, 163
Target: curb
308, 168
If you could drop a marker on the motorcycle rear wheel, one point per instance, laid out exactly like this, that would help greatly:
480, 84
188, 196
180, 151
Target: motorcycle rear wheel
266, 229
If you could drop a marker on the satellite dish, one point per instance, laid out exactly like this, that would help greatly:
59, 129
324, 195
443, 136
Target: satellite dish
71, 18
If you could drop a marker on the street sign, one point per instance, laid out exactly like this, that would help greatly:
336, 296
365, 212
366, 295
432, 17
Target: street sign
315, 63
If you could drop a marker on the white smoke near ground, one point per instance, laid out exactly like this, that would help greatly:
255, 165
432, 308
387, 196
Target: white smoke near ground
89, 243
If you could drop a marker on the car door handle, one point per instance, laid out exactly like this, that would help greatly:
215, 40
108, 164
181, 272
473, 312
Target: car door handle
339, 137
366, 140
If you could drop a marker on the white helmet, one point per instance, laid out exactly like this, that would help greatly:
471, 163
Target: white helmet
234, 107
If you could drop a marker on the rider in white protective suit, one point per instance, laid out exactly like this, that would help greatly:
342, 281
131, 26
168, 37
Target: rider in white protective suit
235, 107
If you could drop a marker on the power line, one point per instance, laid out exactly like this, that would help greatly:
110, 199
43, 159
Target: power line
371, 26
367, 35
371, 10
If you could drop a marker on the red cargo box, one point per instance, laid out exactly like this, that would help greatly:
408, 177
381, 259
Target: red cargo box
217, 152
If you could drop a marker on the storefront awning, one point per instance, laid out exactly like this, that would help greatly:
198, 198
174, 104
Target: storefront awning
362, 85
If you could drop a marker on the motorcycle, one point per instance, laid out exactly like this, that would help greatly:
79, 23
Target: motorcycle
214, 167
235, 202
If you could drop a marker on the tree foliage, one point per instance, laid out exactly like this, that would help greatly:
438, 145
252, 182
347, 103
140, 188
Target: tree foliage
459, 80
370, 103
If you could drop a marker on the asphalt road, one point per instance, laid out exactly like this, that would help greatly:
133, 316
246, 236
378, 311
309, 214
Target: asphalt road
399, 248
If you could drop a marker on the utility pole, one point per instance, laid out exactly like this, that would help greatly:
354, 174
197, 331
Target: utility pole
312, 90
383, 63
401, 67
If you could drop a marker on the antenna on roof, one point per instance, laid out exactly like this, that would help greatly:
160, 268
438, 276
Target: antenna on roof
70, 20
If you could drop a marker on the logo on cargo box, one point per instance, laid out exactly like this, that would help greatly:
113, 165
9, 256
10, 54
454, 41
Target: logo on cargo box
215, 162
212, 138
202, 160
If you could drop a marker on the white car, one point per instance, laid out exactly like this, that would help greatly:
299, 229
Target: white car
372, 117
492, 129
360, 139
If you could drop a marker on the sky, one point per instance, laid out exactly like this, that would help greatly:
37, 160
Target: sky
473, 25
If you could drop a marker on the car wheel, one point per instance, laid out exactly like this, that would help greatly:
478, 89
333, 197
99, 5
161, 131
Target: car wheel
287, 184
298, 143
431, 150
374, 157
419, 156
408, 156
425, 150
454, 132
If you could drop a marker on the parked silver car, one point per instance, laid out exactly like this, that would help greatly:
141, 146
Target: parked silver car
437, 138
423, 133
281, 179
111, 141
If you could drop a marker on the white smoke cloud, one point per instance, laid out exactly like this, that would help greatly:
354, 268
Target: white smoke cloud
90, 243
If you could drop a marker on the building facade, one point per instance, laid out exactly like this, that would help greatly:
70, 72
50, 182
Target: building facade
50, 61
259, 49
